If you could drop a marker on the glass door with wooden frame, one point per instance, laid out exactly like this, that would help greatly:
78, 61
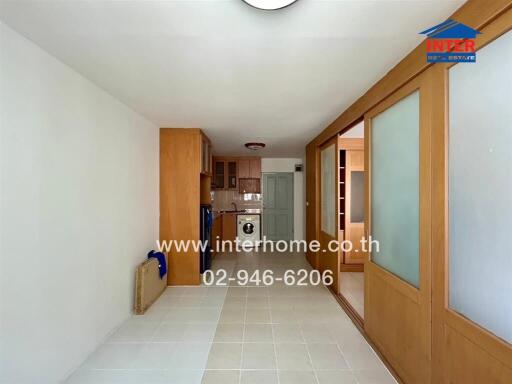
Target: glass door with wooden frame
472, 215
397, 273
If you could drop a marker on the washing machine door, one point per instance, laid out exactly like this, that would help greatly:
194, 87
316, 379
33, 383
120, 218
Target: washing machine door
248, 228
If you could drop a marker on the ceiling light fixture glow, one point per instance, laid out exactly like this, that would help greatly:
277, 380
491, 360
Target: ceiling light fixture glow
269, 5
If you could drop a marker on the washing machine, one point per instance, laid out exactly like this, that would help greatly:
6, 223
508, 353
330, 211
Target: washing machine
248, 228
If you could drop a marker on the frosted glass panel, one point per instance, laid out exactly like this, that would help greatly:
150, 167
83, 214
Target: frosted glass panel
395, 188
480, 188
328, 189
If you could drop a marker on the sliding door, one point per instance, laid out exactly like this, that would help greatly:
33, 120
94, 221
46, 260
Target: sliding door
397, 274
329, 259
473, 218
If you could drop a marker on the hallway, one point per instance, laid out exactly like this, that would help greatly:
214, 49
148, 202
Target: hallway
277, 334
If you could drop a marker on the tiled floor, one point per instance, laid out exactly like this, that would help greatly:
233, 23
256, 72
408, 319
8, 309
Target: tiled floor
352, 288
277, 334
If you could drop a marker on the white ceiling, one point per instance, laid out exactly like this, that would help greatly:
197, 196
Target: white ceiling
239, 73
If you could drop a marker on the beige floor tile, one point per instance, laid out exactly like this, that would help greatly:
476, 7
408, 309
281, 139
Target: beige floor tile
336, 377
297, 377
326, 356
229, 333
257, 292
287, 333
221, 377
167, 332
257, 315
374, 376
259, 377
261, 333
225, 356
232, 316
293, 357
317, 333
258, 302
283, 316
258, 356
237, 292
360, 356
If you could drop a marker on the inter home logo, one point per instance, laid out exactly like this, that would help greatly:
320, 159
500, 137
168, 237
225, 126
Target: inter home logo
451, 42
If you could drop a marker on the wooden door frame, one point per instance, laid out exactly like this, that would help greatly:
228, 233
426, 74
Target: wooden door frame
466, 337
356, 145
329, 260
312, 202
412, 301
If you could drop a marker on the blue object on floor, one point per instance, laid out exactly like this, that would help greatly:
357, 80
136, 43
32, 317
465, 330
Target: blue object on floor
162, 266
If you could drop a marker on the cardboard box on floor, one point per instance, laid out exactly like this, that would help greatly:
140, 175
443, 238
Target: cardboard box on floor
148, 285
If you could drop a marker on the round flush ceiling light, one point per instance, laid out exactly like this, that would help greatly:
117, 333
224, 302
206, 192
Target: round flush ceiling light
254, 146
269, 4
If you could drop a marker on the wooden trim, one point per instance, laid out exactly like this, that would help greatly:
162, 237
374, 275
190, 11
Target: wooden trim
474, 13
478, 335
312, 199
394, 281
351, 267
329, 260
351, 143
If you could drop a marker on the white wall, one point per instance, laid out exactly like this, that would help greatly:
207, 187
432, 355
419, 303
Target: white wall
357, 131
299, 196
79, 209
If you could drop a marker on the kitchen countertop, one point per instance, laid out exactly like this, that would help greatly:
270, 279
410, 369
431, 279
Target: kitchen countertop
251, 211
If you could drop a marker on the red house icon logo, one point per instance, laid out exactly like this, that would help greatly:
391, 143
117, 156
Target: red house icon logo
451, 42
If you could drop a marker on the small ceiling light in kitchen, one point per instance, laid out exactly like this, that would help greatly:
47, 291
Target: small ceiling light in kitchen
269, 4
254, 146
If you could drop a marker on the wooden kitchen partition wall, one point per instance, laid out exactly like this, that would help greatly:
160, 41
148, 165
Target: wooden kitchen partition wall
408, 316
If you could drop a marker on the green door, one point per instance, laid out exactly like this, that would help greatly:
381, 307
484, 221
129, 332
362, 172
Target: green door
278, 206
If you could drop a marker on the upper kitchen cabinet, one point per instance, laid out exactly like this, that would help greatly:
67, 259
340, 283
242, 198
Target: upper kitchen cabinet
229, 171
232, 166
219, 175
225, 173
249, 168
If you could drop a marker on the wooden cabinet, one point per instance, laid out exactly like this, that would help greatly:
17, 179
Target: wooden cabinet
232, 168
244, 168
225, 173
219, 174
183, 186
249, 168
252, 185
228, 171
216, 236
229, 226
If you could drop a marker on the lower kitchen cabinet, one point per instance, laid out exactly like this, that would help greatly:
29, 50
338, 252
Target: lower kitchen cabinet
229, 226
